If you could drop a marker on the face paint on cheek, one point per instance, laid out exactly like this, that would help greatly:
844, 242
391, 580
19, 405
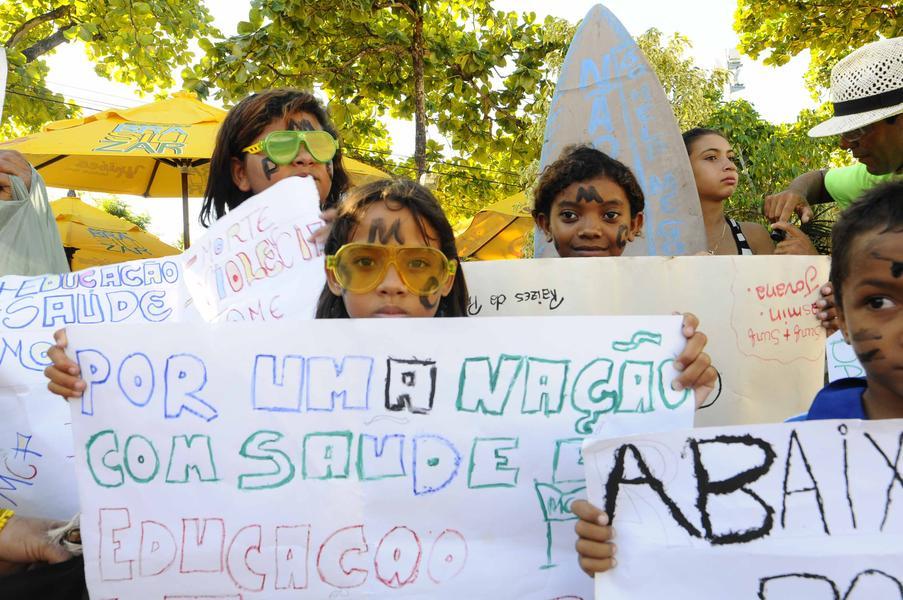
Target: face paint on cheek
866, 335
621, 239
867, 357
269, 167
425, 302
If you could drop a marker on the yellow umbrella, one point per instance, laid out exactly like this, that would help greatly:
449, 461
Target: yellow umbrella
498, 231
100, 238
160, 149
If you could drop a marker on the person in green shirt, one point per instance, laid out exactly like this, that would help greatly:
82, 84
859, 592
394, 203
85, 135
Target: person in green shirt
867, 93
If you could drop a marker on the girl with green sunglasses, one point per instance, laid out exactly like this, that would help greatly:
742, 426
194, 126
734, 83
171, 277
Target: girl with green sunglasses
267, 137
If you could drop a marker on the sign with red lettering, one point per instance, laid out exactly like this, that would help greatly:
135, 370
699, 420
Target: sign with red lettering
256, 263
365, 458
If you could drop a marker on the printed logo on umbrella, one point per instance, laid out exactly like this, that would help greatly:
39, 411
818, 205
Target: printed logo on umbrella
149, 138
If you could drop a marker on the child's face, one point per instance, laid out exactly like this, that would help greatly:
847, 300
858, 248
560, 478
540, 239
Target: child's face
712, 160
389, 226
256, 172
872, 313
590, 218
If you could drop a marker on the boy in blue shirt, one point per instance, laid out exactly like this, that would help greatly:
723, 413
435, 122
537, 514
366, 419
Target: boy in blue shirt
867, 273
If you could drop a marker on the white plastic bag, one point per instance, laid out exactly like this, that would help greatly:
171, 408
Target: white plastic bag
30, 242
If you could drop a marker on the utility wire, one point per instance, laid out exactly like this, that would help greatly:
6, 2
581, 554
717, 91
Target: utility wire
54, 100
460, 166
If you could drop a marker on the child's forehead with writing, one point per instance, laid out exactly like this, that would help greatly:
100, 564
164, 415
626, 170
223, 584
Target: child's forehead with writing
598, 189
388, 223
878, 248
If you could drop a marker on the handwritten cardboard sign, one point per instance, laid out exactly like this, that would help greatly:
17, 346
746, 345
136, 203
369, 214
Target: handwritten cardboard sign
608, 96
256, 263
777, 512
757, 311
36, 468
418, 458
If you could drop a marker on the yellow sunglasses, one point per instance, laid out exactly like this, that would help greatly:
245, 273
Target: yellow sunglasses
359, 267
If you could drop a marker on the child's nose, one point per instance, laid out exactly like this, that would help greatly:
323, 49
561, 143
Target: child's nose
391, 284
304, 157
590, 228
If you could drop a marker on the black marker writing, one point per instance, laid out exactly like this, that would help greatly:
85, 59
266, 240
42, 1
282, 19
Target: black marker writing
621, 239
737, 483
794, 444
588, 194
867, 357
378, 231
269, 167
866, 335
895, 478
616, 479
302, 125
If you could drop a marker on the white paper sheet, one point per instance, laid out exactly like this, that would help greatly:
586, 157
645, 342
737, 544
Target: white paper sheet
36, 470
255, 264
779, 512
842, 361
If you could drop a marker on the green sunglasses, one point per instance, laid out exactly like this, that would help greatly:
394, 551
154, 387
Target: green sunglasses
282, 147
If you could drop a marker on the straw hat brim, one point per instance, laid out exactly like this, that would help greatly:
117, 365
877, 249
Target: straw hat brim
838, 125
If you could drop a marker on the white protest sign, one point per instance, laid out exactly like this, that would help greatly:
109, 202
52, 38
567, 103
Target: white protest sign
256, 263
427, 458
776, 512
842, 361
757, 311
36, 468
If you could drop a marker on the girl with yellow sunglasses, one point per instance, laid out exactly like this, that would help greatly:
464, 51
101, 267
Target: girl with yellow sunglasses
391, 253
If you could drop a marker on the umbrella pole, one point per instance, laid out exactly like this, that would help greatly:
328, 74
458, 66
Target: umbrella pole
185, 236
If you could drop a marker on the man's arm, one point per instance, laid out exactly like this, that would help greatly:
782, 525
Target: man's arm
804, 191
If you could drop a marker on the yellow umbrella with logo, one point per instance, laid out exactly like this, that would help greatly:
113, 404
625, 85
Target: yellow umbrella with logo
161, 149
499, 231
99, 238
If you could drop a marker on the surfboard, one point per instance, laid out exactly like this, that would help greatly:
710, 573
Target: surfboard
608, 96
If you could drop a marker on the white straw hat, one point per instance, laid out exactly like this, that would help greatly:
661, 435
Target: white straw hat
866, 86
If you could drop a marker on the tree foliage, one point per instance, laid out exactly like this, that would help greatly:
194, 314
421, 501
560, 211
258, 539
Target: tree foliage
694, 93
133, 41
119, 208
828, 29
474, 80
488, 77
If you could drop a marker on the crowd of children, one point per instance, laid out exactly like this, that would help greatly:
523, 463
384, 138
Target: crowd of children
391, 253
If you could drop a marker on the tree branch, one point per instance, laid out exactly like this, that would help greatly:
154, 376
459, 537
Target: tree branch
400, 5
47, 44
27, 26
